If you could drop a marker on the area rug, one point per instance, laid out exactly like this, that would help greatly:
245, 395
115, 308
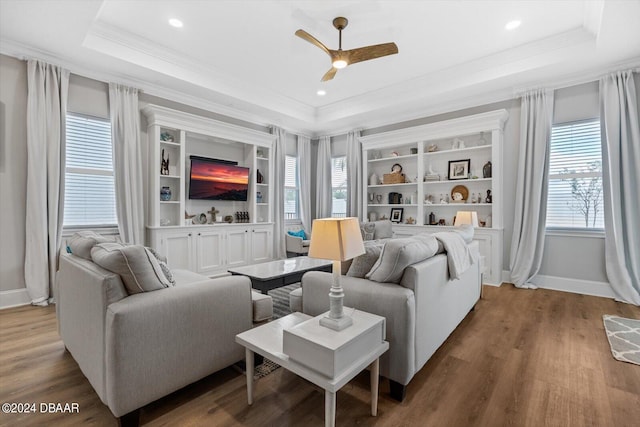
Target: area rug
280, 298
624, 338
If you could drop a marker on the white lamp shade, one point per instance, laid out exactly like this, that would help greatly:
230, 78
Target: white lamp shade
337, 239
466, 217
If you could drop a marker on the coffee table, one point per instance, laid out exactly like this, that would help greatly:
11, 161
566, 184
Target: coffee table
275, 274
267, 340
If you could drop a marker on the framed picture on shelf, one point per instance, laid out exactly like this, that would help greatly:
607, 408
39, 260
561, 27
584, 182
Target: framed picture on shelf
396, 214
459, 169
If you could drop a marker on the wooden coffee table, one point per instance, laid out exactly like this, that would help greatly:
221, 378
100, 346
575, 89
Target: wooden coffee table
275, 274
267, 340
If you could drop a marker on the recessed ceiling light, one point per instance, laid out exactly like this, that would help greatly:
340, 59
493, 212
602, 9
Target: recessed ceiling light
512, 25
175, 23
321, 92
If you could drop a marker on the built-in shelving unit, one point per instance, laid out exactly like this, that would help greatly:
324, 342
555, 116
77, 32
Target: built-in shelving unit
212, 247
424, 153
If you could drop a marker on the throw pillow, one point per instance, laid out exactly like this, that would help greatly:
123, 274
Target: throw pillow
81, 243
139, 269
162, 260
383, 229
367, 230
398, 254
300, 233
466, 231
362, 264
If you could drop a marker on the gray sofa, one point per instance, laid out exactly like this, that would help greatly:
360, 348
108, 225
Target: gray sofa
422, 310
137, 348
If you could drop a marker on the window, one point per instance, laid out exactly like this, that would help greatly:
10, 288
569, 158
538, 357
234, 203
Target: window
575, 177
339, 187
291, 188
90, 197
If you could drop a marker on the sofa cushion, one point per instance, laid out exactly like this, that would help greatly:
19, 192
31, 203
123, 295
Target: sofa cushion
397, 254
136, 265
362, 264
81, 243
383, 229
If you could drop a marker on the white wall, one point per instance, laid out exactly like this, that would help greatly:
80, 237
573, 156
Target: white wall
13, 171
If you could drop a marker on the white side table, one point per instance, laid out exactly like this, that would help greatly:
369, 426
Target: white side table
267, 340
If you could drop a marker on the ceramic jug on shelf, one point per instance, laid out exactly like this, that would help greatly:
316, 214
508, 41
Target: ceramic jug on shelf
373, 179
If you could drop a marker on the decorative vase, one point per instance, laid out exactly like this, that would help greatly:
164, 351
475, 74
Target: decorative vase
486, 170
373, 179
165, 194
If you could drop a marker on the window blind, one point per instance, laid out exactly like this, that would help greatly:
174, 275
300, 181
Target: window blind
90, 199
575, 176
291, 188
339, 187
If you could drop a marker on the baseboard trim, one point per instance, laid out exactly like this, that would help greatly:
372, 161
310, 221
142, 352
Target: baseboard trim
14, 298
576, 286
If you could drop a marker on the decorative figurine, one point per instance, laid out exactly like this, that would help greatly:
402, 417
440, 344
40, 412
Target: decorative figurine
213, 213
164, 164
489, 198
410, 220
259, 177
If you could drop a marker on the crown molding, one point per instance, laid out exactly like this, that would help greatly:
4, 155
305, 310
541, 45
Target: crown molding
118, 43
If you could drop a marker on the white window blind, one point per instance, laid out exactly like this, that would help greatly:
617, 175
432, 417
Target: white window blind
339, 187
291, 188
90, 199
575, 177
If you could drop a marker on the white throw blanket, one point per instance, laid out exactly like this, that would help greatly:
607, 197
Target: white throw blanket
459, 256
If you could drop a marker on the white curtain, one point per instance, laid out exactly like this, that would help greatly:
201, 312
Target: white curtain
323, 182
304, 181
279, 159
127, 162
48, 87
621, 180
532, 186
354, 175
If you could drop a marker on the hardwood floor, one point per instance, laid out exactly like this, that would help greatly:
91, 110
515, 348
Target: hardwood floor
522, 358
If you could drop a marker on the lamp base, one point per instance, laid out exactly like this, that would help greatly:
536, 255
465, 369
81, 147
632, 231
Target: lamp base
336, 324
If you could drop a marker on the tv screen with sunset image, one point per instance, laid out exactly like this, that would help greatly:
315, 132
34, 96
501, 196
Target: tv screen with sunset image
212, 180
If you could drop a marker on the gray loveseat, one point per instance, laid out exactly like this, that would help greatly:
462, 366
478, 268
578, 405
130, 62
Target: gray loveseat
135, 349
422, 310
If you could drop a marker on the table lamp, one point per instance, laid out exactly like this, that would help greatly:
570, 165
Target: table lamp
337, 239
467, 217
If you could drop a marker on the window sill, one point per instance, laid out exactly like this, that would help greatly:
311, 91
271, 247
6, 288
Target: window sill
567, 232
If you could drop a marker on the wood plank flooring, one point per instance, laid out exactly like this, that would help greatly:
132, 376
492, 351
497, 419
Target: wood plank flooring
522, 358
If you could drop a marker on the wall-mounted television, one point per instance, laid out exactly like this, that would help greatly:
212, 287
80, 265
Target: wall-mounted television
212, 179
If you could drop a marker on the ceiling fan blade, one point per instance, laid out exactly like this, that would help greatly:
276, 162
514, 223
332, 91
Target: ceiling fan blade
371, 52
308, 37
329, 74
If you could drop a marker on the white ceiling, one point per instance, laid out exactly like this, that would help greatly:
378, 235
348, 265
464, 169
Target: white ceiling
241, 57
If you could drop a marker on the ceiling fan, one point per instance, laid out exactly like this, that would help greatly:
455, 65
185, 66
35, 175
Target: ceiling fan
341, 58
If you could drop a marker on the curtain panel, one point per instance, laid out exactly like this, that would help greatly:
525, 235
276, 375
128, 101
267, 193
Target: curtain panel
279, 159
48, 87
527, 241
323, 183
354, 175
304, 181
620, 133
127, 162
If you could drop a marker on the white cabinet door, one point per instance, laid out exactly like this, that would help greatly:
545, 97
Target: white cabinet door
177, 246
261, 244
237, 247
209, 250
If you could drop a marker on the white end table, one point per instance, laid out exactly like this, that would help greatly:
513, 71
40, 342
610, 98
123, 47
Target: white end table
266, 340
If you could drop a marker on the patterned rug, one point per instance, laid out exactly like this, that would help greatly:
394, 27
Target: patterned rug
624, 338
